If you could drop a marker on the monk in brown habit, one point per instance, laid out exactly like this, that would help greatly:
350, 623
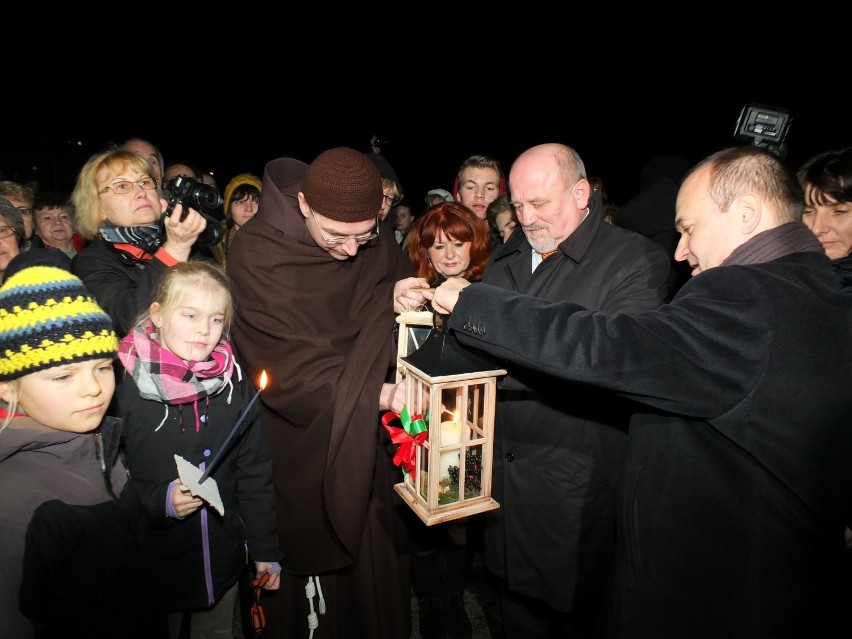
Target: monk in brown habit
313, 278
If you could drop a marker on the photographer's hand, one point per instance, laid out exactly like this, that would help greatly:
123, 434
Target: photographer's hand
181, 235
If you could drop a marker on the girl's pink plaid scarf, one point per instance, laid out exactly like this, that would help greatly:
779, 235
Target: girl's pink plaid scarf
163, 376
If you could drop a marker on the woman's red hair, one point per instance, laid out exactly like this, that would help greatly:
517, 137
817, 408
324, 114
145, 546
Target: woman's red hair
458, 223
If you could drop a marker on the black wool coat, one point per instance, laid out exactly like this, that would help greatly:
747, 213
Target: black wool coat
559, 446
188, 576
738, 483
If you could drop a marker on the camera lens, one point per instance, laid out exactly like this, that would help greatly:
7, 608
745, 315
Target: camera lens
207, 197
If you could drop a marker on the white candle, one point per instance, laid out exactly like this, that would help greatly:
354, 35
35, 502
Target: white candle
450, 434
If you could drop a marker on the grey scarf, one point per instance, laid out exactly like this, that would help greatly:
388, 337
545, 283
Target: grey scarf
148, 237
793, 237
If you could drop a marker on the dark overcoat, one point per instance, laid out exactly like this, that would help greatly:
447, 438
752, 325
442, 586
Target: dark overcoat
738, 483
559, 446
122, 284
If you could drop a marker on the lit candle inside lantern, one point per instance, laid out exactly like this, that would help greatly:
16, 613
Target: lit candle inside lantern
226, 444
450, 434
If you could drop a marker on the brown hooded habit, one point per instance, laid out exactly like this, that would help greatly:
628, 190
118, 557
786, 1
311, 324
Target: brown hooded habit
322, 329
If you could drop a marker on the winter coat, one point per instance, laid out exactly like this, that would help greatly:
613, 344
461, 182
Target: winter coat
70, 558
843, 272
738, 483
559, 447
122, 285
198, 558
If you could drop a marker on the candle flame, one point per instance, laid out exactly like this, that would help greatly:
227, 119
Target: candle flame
453, 415
263, 380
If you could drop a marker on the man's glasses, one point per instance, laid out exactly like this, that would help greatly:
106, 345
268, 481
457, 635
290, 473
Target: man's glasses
24, 211
6, 231
392, 200
334, 240
124, 187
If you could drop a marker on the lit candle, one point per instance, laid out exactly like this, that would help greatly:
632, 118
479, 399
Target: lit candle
450, 434
226, 444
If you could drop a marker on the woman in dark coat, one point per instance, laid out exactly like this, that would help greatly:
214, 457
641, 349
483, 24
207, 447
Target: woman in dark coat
119, 210
827, 182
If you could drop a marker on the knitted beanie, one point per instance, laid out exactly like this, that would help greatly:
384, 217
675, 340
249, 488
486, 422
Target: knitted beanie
242, 178
48, 318
343, 185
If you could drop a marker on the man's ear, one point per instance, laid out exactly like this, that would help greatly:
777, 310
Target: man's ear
303, 205
582, 191
749, 211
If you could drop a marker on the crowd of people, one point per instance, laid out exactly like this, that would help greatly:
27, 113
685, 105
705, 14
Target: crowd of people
185, 412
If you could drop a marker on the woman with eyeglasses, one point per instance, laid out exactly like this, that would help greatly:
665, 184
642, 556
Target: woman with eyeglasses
11, 234
120, 210
391, 189
21, 196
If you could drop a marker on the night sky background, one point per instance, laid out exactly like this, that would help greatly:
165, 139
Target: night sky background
230, 98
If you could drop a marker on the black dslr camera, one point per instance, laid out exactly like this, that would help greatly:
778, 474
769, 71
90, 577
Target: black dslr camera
199, 196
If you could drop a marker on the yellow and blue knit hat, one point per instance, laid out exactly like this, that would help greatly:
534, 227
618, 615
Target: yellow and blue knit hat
48, 318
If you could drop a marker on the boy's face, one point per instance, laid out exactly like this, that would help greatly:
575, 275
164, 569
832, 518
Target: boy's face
73, 397
478, 188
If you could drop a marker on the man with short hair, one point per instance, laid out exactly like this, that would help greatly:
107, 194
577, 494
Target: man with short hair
552, 573
559, 448
150, 153
180, 169
480, 181
738, 483
313, 275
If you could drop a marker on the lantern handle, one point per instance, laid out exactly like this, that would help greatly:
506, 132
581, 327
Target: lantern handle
439, 321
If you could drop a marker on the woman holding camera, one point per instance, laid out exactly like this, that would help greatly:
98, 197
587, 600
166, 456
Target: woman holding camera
120, 210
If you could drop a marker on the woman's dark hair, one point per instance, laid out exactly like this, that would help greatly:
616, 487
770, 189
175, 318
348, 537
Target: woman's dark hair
829, 176
243, 190
240, 192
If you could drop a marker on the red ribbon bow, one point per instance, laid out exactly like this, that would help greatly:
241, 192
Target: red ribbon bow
412, 434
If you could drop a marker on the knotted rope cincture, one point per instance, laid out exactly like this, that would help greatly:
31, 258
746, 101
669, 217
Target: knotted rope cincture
311, 589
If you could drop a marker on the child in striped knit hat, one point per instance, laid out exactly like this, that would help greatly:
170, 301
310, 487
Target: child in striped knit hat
70, 561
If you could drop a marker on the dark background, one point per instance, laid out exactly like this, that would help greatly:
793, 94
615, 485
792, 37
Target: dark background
230, 99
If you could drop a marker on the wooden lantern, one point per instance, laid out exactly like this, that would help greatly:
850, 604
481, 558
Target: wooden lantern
454, 391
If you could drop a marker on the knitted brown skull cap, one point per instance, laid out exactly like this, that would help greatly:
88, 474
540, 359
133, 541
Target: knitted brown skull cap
342, 184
